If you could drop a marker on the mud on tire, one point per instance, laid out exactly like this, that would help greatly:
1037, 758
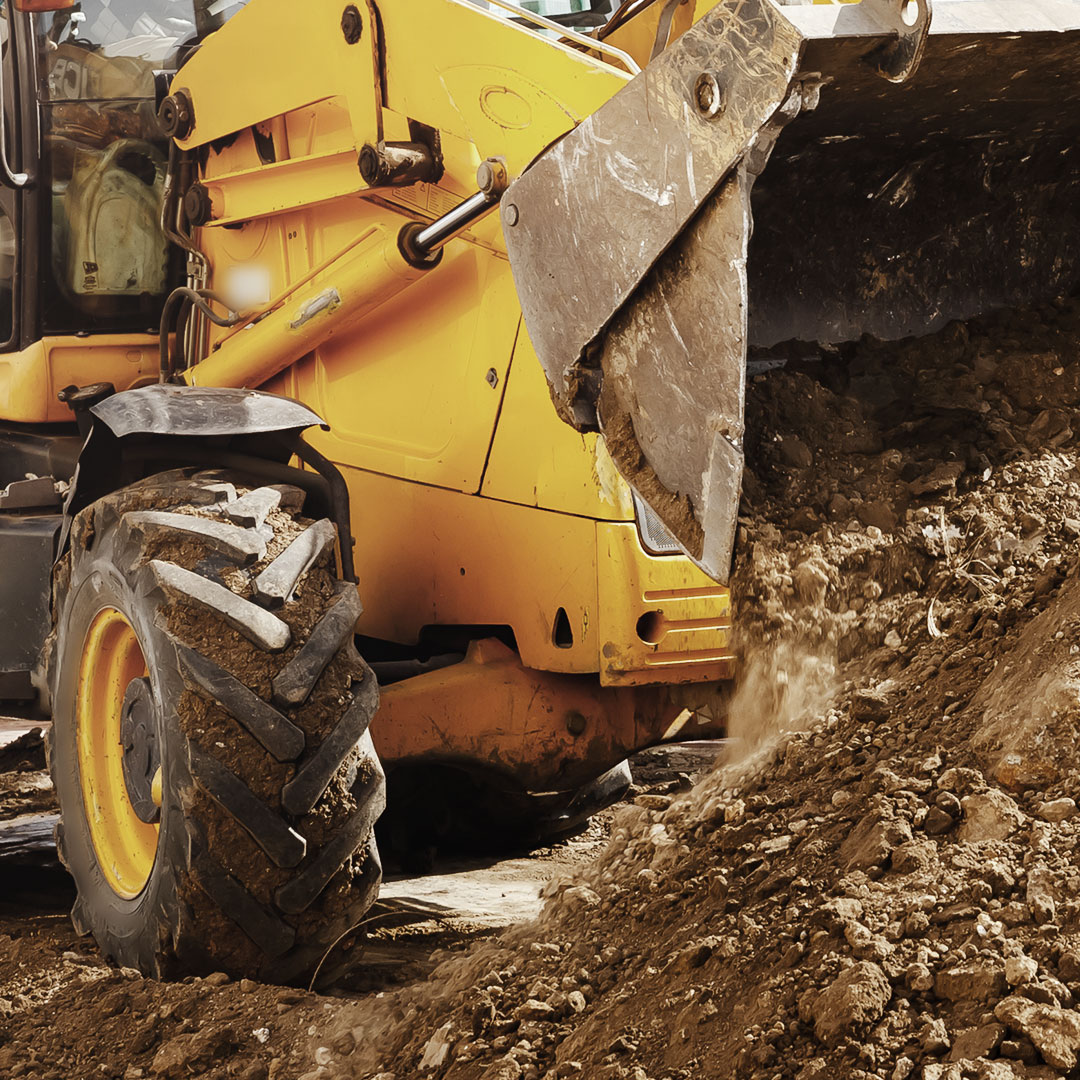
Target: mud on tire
259, 709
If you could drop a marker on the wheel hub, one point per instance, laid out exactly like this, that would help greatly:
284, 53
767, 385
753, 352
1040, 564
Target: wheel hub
142, 756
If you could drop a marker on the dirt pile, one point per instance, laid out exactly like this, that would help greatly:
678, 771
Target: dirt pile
65, 1014
886, 886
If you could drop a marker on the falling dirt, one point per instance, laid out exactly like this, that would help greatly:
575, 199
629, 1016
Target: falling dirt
881, 882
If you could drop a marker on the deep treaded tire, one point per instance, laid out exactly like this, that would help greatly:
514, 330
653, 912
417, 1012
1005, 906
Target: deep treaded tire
254, 704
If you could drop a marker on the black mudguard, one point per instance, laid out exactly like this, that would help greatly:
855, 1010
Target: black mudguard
134, 433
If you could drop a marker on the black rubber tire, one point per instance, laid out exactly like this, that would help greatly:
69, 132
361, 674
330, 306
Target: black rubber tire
271, 785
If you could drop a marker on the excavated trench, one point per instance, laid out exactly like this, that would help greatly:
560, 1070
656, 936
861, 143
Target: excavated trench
879, 881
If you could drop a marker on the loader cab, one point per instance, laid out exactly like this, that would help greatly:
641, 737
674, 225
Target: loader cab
82, 248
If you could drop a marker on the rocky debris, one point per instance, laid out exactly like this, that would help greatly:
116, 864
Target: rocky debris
885, 885
24, 753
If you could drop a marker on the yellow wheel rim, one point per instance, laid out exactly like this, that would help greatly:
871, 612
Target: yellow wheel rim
125, 845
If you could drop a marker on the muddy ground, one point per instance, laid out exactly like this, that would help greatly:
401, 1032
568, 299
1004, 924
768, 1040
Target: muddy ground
880, 882
66, 1014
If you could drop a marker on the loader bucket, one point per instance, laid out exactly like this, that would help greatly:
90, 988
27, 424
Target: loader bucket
811, 172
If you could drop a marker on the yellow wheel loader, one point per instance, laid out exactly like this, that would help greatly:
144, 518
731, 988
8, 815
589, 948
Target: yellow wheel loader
372, 394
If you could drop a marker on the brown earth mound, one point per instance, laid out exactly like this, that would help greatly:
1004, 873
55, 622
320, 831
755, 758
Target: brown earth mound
884, 885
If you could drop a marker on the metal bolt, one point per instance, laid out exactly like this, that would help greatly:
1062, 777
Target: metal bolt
708, 96
352, 25
491, 176
510, 214
575, 722
492, 377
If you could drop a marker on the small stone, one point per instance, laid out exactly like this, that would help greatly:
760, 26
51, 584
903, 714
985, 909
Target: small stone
1040, 898
576, 1000
804, 520
795, 453
1069, 966
534, 1009
873, 841
940, 480
991, 815
918, 977
938, 821
437, 1049
934, 1037
580, 897
216, 978
913, 856
1020, 969
506, 1068
977, 1042
903, 1069
653, 802
841, 507
877, 513
247, 986
1057, 809
892, 640
870, 705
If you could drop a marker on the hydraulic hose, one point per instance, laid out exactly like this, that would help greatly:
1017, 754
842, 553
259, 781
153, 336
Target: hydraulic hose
198, 298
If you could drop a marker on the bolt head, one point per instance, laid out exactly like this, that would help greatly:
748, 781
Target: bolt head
575, 722
352, 25
510, 214
708, 95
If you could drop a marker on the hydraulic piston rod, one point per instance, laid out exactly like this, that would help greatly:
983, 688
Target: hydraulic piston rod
381, 264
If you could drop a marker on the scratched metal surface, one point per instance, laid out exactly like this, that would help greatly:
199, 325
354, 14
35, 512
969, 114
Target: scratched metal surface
597, 210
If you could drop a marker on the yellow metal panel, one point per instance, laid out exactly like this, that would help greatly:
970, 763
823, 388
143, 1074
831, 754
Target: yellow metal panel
661, 618
528, 92
29, 380
268, 74
428, 556
414, 391
638, 35
538, 460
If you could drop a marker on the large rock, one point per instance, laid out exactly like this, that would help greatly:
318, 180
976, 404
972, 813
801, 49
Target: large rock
1054, 1032
973, 980
873, 840
851, 1003
977, 1042
991, 815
